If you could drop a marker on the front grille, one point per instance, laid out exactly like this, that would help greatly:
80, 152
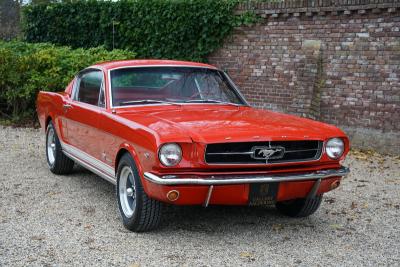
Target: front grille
257, 152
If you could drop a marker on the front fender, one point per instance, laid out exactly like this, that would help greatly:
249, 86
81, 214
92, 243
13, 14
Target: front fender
126, 147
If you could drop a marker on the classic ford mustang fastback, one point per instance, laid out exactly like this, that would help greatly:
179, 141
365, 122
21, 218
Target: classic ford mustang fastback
181, 133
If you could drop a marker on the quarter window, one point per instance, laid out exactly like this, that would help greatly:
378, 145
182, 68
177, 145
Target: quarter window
89, 85
102, 100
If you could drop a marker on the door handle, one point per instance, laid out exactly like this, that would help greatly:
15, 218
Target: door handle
67, 106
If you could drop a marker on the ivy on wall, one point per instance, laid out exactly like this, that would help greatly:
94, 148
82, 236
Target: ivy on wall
172, 29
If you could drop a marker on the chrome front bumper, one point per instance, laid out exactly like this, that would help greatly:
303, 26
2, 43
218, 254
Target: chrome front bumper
245, 179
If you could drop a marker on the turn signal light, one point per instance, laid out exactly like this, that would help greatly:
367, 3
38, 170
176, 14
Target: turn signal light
173, 195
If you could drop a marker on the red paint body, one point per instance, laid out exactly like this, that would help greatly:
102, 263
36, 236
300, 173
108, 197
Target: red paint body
141, 130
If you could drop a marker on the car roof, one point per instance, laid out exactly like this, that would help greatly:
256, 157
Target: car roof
149, 63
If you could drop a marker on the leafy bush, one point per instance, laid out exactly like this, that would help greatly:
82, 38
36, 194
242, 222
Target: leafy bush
174, 29
27, 68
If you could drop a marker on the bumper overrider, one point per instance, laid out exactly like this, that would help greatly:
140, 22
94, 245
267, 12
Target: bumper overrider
245, 179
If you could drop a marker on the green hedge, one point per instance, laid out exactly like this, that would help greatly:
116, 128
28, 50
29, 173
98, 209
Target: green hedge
27, 68
171, 29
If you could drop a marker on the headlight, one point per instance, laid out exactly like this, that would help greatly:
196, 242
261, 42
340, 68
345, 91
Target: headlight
335, 148
170, 154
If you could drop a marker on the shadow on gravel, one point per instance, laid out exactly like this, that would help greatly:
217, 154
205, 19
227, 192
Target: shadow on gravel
87, 178
216, 218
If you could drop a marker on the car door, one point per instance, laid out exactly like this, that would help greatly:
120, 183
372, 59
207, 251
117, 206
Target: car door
82, 113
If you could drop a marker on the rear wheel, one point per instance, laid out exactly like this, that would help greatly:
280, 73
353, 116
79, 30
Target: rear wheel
139, 213
302, 207
57, 161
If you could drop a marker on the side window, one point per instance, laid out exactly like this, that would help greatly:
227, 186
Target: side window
88, 87
102, 100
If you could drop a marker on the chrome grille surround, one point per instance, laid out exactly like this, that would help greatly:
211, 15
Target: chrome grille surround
241, 153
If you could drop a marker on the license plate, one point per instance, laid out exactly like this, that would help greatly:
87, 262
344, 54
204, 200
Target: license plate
263, 194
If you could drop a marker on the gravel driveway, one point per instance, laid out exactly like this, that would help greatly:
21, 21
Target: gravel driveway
72, 220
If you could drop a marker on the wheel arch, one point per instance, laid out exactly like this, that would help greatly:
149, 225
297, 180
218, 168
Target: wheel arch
47, 121
119, 155
127, 148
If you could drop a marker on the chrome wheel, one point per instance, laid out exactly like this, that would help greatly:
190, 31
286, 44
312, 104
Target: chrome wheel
127, 192
138, 211
51, 146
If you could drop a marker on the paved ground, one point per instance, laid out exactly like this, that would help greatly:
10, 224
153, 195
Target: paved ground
72, 220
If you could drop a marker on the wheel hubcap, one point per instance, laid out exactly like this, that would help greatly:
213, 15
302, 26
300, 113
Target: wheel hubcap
127, 192
51, 146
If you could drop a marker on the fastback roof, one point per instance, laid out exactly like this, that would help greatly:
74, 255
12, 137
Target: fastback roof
150, 62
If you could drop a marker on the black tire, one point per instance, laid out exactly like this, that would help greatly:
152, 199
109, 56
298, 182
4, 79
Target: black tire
146, 212
61, 164
302, 207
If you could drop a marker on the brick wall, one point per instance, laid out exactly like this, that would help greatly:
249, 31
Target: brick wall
9, 19
334, 61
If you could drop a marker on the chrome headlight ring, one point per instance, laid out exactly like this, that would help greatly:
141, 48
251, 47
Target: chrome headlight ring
170, 154
334, 148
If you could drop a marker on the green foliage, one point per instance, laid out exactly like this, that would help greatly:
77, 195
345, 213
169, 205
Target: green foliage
247, 18
27, 68
173, 29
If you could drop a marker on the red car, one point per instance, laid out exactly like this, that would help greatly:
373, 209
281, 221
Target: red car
181, 133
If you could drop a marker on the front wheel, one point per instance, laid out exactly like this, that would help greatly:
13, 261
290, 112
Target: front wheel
302, 207
139, 213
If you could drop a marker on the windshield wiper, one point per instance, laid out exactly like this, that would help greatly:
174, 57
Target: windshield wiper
147, 101
210, 101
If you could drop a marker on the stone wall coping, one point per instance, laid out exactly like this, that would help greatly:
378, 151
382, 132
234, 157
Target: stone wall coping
316, 6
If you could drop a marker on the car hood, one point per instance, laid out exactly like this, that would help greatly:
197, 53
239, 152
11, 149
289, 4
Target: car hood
214, 124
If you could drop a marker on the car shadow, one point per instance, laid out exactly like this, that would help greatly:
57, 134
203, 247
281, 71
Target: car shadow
212, 220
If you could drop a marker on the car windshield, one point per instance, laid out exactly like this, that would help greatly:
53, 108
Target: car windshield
171, 85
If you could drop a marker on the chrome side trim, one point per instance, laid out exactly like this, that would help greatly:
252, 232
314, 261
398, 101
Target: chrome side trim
92, 169
100, 168
246, 179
